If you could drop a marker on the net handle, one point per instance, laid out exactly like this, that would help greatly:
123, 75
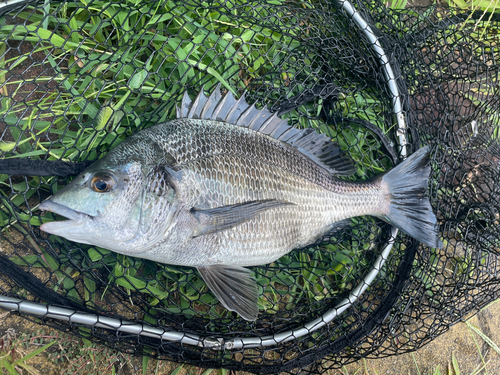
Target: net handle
64, 314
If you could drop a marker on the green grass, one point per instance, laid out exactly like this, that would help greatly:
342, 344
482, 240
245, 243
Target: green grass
482, 5
116, 83
14, 363
123, 71
488, 7
397, 4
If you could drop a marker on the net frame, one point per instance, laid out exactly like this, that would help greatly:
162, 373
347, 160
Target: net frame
73, 316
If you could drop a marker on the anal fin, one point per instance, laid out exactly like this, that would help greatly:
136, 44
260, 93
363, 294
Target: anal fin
234, 287
336, 229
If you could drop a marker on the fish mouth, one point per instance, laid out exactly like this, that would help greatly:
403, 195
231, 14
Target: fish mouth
76, 218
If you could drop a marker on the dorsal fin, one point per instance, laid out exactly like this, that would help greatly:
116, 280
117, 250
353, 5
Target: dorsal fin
318, 147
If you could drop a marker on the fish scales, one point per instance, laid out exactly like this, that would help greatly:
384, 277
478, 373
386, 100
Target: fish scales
189, 140
219, 170
226, 186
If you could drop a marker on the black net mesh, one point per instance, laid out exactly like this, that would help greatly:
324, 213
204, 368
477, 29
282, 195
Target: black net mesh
77, 78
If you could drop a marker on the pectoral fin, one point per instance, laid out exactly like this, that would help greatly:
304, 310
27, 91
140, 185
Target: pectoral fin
214, 220
234, 287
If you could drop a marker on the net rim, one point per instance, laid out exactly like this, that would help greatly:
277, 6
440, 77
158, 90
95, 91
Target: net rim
72, 316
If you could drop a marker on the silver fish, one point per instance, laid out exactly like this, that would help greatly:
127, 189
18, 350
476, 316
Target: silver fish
225, 186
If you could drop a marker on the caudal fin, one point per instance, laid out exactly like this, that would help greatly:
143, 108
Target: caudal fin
409, 208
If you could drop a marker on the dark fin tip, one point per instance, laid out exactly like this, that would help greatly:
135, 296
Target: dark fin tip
409, 209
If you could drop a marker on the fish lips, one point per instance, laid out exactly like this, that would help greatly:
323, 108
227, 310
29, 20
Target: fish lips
63, 228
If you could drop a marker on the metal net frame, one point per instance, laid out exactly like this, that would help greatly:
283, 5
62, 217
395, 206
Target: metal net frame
77, 78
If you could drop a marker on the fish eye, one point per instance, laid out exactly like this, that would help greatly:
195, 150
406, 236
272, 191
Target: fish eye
102, 183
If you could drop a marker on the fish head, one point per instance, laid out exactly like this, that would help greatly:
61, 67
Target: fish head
102, 204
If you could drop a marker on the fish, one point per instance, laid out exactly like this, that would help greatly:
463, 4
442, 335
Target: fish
226, 186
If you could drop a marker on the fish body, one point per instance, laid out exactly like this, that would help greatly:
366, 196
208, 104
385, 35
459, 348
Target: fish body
225, 186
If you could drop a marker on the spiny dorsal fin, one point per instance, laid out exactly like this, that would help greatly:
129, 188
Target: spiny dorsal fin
318, 147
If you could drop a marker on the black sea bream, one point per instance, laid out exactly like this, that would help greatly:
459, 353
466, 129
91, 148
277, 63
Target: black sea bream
225, 186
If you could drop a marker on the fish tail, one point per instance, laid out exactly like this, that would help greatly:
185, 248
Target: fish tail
407, 206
